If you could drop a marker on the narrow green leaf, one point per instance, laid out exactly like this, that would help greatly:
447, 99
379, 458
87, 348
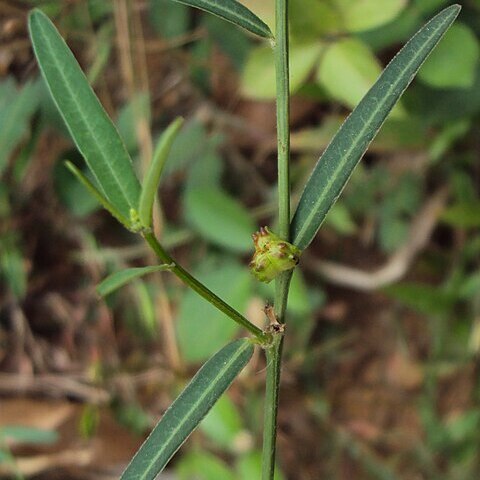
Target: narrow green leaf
188, 410
19, 434
90, 127
95, 193
233, 12
119, 279
152, 178
16, 110
12, 266
336, 164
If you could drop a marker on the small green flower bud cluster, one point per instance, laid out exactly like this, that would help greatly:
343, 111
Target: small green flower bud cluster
272, 255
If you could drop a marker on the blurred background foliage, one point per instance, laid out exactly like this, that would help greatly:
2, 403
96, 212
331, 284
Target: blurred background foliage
381, 374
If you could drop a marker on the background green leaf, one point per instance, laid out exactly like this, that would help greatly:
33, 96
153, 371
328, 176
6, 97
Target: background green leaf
232, 282
311, 18
223, 424
119, 279
423, 298
12, 266
367, 14
16, 109
203, 466
439, 72
138, 108
219, 218
169, 18
258, 80
463, 215
250, 467
19, 434
347, 70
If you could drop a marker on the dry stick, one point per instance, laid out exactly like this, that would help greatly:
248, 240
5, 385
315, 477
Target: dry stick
139, 63
23, 338
399, 263
165, 310
134, 69
32, 465
59, 386
80, 386
104, 91
145, 140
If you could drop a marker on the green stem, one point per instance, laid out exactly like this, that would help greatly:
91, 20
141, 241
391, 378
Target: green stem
282, 283
283, 117
201, 289
273, 357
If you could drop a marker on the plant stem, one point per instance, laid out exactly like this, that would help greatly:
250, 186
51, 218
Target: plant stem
201, 289
273, 357
283, 117
274, 351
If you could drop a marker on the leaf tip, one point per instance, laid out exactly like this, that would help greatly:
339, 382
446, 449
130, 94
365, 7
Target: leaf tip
34, 15
453, 10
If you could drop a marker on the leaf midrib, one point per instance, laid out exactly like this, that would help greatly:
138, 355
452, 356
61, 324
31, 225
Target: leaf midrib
193, 408
340, 165
84, 120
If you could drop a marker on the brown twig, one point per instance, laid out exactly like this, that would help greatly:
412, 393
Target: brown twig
397, 265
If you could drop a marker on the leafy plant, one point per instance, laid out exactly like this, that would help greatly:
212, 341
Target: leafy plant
116, 186
17, 108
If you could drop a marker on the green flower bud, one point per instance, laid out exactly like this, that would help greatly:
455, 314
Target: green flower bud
272, 255
135, 224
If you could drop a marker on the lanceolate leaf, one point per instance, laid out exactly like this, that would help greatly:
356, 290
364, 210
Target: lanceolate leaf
152, 178
93, 132
119, 279
234, 12
188, 410
352, 140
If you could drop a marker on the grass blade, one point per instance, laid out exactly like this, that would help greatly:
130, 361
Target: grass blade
233, 12
119, 279
188, 410
92, 130
152, 178
335, 166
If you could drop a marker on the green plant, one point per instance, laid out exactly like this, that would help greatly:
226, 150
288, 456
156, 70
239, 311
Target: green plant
17, 108
118, 189
18, 435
